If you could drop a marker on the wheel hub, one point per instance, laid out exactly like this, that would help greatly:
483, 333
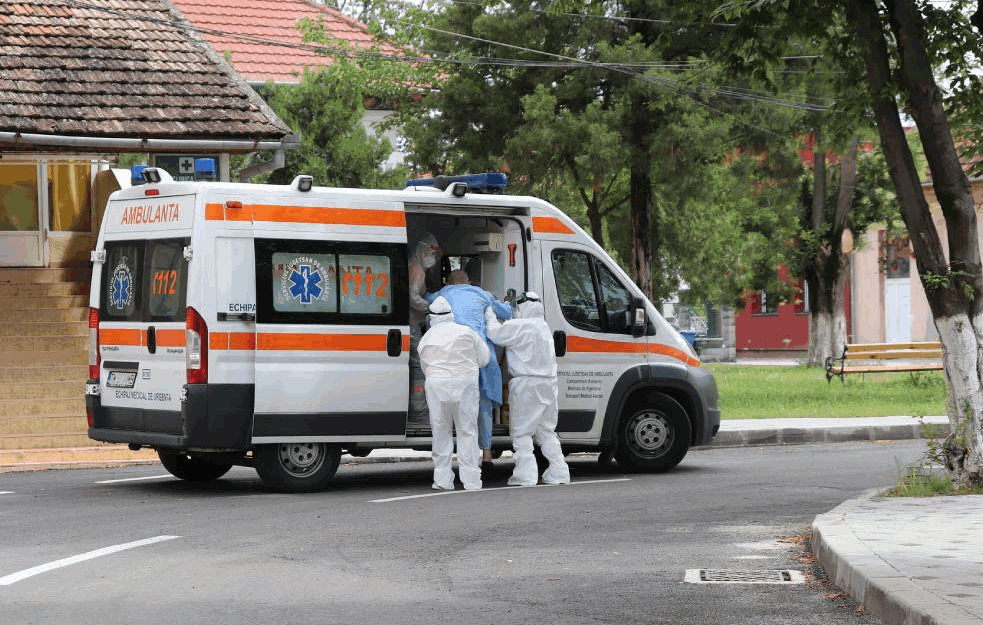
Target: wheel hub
649, 433
301, 459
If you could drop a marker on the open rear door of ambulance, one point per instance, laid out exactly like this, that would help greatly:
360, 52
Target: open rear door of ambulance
332, 342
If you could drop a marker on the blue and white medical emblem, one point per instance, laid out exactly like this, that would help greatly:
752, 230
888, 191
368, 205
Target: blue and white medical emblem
121, 287
303, 281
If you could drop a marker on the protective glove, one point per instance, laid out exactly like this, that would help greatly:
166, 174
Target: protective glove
490, 318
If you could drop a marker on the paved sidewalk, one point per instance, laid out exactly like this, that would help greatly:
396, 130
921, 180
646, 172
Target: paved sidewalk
910, 561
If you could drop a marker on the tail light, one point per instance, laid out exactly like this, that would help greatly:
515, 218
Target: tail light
196, 347
93, 343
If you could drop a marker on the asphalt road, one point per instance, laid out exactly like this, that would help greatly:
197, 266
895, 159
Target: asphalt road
601, 552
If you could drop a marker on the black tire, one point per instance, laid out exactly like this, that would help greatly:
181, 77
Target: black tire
653, 435
359, 452
192, 468
297, 467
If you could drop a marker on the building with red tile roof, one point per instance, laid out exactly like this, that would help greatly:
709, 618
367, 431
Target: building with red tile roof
259, 24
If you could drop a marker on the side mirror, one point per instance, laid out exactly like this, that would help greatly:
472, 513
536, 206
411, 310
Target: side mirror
639, 325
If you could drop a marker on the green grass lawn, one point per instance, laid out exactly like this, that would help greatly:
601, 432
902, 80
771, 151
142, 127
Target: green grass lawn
762, 392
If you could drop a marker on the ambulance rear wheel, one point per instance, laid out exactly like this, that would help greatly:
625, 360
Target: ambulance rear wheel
654, 434
190, 468
297, 467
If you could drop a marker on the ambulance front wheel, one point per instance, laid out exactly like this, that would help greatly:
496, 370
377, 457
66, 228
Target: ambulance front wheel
297, 467
190, 468
654, 434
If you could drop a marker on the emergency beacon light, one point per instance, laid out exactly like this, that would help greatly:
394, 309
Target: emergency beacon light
491, 182
136, 174
205, 169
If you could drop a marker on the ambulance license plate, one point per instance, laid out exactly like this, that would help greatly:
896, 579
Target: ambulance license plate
121, 379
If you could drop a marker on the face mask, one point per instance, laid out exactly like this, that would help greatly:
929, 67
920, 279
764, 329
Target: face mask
429, 260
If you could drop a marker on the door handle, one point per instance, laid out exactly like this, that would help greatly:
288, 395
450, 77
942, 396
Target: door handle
394, 343
152, 340
560, 343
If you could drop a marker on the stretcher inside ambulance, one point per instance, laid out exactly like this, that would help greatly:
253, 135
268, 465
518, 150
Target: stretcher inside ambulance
269, 326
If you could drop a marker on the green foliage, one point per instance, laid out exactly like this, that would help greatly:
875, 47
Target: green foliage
569, 134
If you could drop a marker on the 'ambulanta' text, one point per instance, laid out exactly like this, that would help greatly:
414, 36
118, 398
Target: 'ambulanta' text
151, 214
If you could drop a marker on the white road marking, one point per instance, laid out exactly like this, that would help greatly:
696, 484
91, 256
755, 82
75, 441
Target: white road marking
135, 479
6, 492
489, 490
82, 557
750, 557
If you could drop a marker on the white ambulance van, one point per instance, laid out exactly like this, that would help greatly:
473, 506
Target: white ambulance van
268, 326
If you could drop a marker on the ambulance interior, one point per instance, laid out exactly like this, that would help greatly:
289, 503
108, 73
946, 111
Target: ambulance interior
491, 249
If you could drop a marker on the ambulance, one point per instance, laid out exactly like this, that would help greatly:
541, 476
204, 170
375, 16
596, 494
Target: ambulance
268, 326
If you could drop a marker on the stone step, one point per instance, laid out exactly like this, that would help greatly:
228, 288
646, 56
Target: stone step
44, 441
50, 315
44, 328
43, 289
12, 359
91, 454
22, 374
44, 343
40, 389
45, 302
33, 406
35, 275
44, 424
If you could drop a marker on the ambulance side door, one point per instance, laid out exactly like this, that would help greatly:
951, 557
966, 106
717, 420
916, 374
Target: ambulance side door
588, 308
332, 340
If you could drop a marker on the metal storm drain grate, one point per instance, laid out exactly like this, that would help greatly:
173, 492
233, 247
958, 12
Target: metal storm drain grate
733, 576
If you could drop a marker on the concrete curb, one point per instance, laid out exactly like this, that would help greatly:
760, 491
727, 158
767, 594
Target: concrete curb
852, 566
801, 436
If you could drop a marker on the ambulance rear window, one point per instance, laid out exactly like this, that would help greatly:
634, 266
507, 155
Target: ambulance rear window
144, 281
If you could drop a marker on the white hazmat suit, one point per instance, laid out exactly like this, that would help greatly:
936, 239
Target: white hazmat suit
532, 391
451, 355
424, 255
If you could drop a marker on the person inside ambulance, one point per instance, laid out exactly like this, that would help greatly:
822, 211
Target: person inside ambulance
451, 355
425, 254
533, 412
469, 303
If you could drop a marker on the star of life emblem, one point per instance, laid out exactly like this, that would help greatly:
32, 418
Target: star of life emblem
303, 281
121, 286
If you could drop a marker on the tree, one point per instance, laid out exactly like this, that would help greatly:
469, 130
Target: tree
622, 125
896, 48
954, 285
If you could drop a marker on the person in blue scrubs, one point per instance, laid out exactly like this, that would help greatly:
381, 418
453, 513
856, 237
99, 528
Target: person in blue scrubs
468, 303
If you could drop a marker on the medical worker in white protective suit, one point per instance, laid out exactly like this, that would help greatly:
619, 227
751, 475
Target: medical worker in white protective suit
424, 256
451, 355
532, 391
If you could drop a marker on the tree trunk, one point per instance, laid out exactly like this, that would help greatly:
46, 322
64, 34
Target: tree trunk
640, 189
953, 286
826, 274
596, 223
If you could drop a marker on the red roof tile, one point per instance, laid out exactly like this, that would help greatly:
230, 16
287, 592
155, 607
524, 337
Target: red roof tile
104, 68
275, 20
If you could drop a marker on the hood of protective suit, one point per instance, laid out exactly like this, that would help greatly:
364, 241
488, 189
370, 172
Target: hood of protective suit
424, 252
440, 311
530, 309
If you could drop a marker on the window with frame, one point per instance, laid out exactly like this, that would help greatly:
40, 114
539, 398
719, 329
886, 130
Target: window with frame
590, 296
330, 282
144, 281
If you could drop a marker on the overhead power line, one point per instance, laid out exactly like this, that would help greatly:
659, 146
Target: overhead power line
627, 68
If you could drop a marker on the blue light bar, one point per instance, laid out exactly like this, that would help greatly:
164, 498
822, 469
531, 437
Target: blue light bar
205, 169
136, 174
491, 182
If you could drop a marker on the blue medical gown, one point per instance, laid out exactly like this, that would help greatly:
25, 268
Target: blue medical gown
469, 303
